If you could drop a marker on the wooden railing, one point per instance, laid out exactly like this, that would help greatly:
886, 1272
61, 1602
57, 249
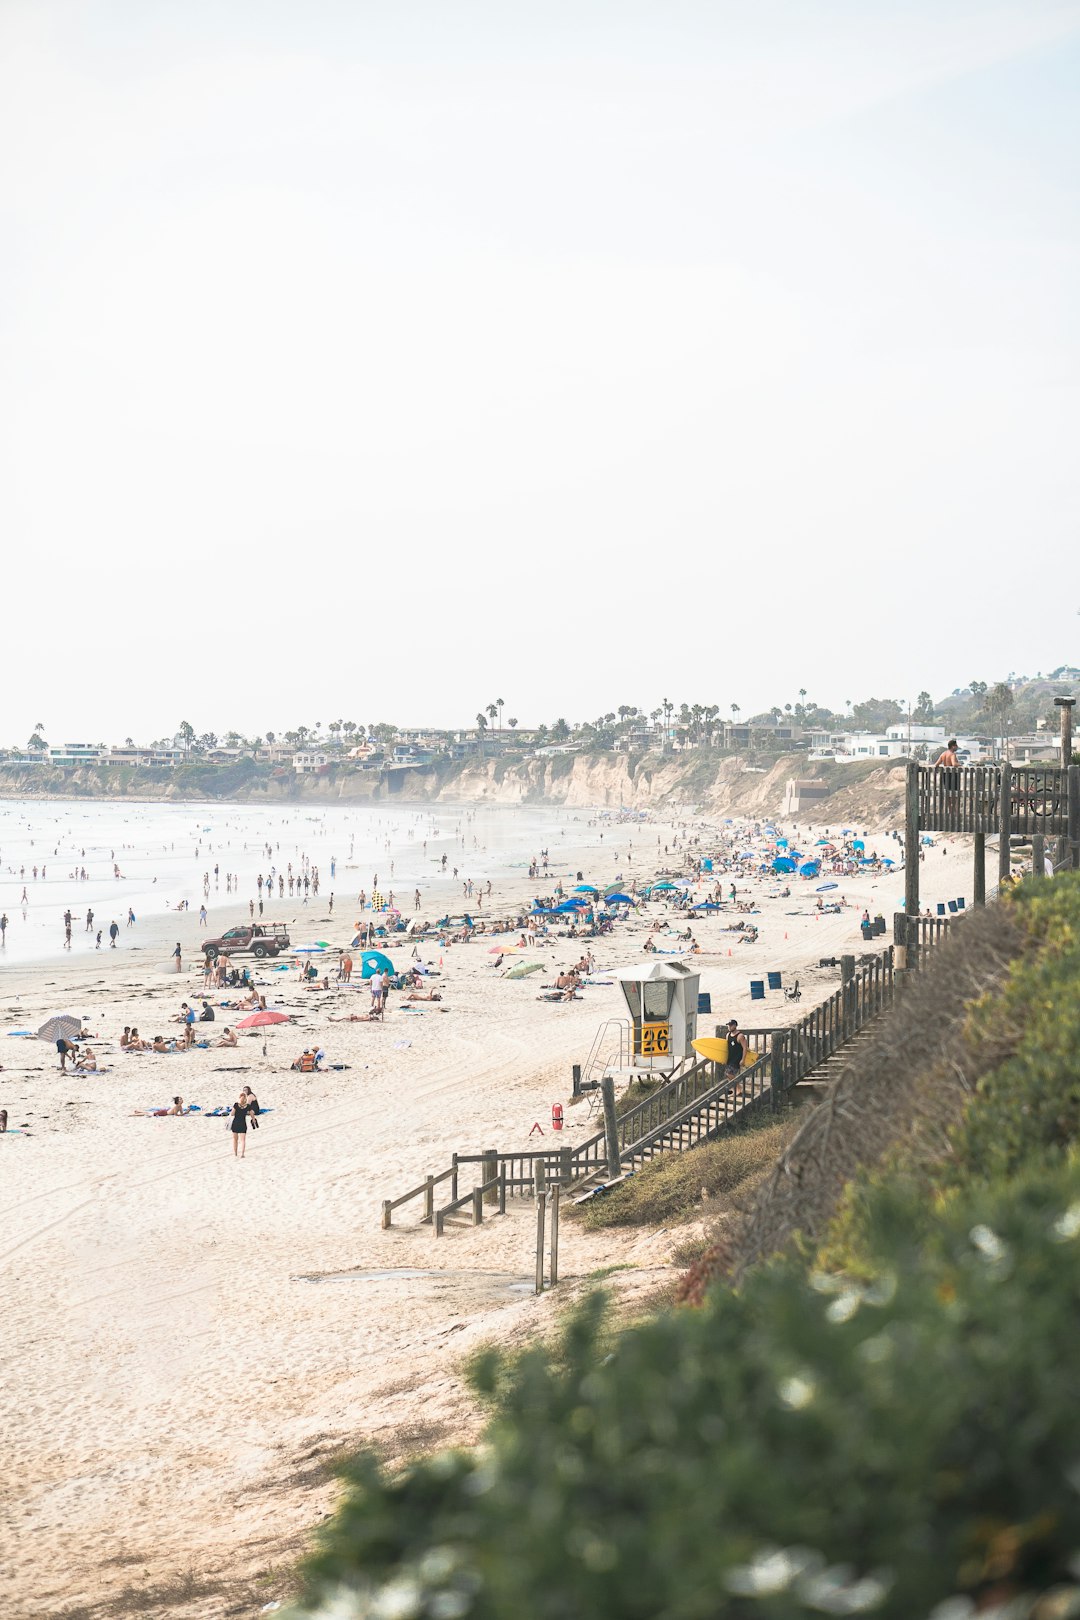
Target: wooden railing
495, 1184
830, 1025
665, 1102
705, 1117
968, 798
426, 1190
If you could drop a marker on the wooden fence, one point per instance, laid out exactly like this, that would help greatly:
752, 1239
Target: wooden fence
970, 799
800, 1047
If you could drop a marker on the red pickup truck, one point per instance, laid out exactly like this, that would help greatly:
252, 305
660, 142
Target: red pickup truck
261, 939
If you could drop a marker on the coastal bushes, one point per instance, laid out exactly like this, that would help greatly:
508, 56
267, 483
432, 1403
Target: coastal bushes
675, 1184
801, 1447
886, 1427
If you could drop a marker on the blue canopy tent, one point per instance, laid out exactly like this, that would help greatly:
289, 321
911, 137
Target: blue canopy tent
783, 864
375, 962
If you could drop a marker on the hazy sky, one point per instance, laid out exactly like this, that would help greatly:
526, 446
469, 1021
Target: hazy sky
379, 360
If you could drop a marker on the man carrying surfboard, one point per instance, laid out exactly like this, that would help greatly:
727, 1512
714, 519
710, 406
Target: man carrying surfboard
736, 1047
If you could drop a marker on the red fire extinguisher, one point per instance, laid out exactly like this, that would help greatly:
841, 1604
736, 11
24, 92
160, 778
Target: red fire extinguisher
556, 1116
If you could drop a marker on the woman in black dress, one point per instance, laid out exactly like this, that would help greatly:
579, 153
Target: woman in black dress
238, 1127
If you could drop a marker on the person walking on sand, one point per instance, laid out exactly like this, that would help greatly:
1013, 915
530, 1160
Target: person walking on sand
238, 1127
89, 922
3, 928
178, 957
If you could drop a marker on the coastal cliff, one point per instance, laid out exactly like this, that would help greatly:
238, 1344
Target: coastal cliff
701, 779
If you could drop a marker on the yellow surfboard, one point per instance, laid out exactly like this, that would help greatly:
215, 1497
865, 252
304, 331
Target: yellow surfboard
713, 1047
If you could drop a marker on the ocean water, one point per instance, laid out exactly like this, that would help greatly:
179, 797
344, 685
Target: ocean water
164, 852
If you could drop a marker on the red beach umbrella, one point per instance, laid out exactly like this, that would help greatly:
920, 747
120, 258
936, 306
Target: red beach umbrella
260, 1019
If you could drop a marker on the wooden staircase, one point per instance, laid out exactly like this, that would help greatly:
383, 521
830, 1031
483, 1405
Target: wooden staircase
697, 1105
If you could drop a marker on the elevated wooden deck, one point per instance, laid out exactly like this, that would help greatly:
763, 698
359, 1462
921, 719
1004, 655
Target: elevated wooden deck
970, 798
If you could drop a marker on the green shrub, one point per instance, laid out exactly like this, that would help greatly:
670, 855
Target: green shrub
801, 1447
670, 1187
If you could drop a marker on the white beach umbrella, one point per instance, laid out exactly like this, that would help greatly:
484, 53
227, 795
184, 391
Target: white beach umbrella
60, 1027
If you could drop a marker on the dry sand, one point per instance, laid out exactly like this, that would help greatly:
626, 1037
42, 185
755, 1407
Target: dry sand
182, 1351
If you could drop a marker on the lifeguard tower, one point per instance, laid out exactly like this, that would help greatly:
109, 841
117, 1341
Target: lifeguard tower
662, 1000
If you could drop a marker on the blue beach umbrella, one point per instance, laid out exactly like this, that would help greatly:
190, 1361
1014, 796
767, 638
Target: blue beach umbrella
783, 864
585, 888
619, 900
810, 868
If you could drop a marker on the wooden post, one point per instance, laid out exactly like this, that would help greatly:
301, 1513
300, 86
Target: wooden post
611, 1125
777, 1075
539, 1177
576, 1072
911, 841
453, 1179
429, 1198
566, 1159
1074, 815
541, 1222
386, 1215
847, 974
489, 1169
502, 1188
1065, 704
1038, 855
979, 890
555, 1234
899, 934
477, 1207
1005, 817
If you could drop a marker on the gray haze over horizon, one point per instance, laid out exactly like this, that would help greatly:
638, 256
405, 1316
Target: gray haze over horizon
377, 361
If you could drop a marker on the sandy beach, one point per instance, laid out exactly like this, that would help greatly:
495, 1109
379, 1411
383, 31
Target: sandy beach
189, 1339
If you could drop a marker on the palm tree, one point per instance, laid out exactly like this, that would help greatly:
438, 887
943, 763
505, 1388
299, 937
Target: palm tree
511, 722
999, 702
499, 706
186, 734
270, 735
492, 710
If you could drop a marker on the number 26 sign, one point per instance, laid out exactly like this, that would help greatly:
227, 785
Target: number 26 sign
655, 1040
